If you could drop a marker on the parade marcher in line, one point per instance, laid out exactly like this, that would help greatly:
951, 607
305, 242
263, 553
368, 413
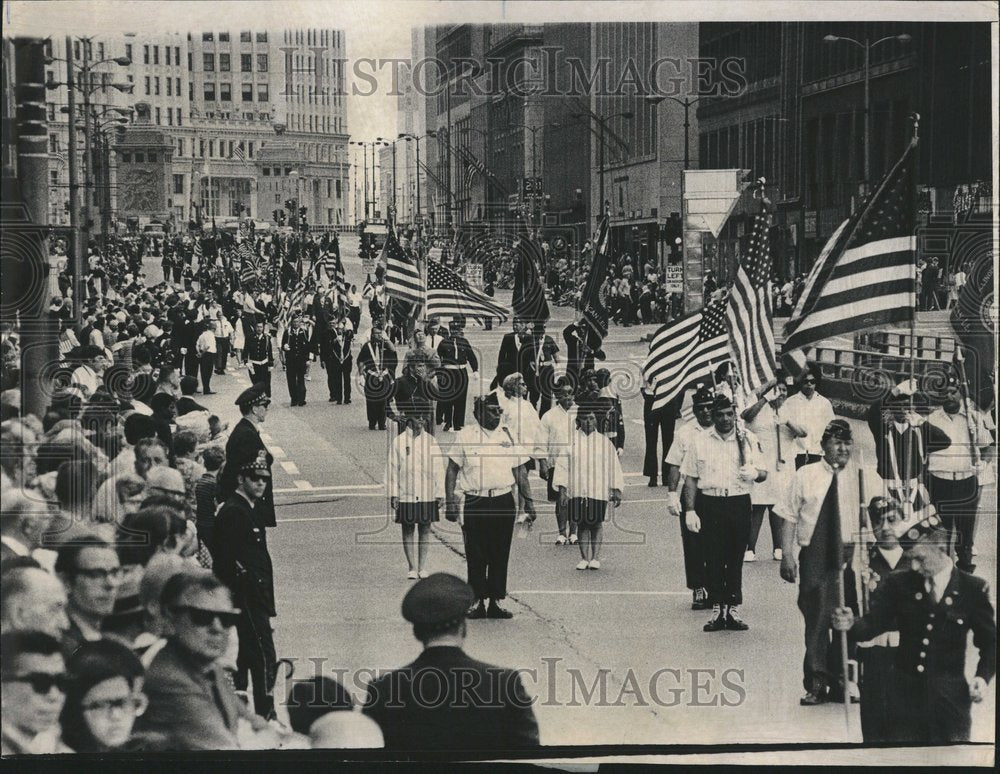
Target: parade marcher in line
820, 510
934, 606
223, 339
260, 356
611, 420
765, 419
877, 657
553, 439
485, 708
582, 348
456, 353
659, 427
245, 445
692, 543
720, 467
588, 477
377, 363
540, 370
486, 461
414, 477
206, 347
295, 345
509, 357
415, 389
955, 471
334, 346
240, 559
807, 413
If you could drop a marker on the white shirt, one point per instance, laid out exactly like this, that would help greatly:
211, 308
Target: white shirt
415, 471
804, 499
206, 342
957, 458
86, 378
938, 582
521, 418
812, 415
554, 430
715, 461
486, 458
683, 439
225, 328
591, 468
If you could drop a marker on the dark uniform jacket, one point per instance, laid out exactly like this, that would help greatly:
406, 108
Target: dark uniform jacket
259, 348
457, 351
298, 346
243, 446
933, 639
331, 350
367, 360
507, 360
239, 536
580, 352
923, 440
494, 713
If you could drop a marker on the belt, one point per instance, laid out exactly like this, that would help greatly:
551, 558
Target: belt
953, 475
722, 492
499, 492
453, 365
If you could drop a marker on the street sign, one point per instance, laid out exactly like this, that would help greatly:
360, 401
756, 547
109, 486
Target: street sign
531, 188
474, 275
512, 201
675, 278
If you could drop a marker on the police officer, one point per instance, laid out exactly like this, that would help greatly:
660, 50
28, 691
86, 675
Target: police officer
719, 469
485, 463
260, 356
446, 700
934, 605
241, 560
245, 445
298, 353
456, 355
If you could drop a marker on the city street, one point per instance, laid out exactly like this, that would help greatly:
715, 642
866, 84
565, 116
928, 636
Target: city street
613, 657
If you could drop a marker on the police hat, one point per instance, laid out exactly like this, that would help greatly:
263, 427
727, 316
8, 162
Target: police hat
703, 396
257, 466
253, 396
438, 602
927, 530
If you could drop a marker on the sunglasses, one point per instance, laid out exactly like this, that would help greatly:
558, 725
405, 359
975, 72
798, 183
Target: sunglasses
258, 479
202, 617
42, 683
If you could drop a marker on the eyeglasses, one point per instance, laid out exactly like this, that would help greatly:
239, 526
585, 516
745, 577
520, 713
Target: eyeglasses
101, 573
202, 617
42, 683
108, 706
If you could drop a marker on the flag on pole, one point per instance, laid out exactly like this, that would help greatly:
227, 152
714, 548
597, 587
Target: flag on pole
251, 266
290, 303
450, 295
595, 311
528, 301
974, 318
749, 314
197, 252
402, 277
866, 274
685, 349
240, 153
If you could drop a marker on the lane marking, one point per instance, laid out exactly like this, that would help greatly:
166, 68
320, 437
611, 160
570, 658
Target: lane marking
336, 488
607, 592
290, 467
300, 484
276, 451
334, 518
266, 438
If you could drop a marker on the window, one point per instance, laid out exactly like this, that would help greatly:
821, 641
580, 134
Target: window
53, 143
262, 63
156, 86
338, 187
190, 61
210, 92
248, 92
140, 158
170, 87
262, 92
54, 177
178, 184
288, 171
207, 36
157, 123
246, 63
170, 114
180, 142
126, 158
152, 156
267, 171
208, 62
262, 37
166, 55
177, 55
223, 37
147, 85
190, 91
211, 148
225, 92
128, 50
156, 55
245, 37
177, 86
178, 116
52, 111
145, 55
250, 150
329, 188
223, 63
201, 148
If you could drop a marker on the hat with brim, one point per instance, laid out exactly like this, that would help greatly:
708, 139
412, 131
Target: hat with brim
928, 530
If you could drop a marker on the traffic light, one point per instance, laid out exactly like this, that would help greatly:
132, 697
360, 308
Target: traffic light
302, 211
673, 233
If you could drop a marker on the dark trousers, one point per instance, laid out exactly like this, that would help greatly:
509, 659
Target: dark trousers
354, 315
451, 406
659, 425
693, 546
256, 656
821, 666
375, 406
261, 373
932, 709
489, 527
757, 520
222, 355
295, 370
957, 503
540, 390
191, 360
725, 526
206, 364
338, 378
806, 459
878, 708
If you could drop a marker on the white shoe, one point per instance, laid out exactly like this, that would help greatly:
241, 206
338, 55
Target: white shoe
412, 575
749, 556
561, 540
583, 564
595, 564
572, 540
776, 554
423, 573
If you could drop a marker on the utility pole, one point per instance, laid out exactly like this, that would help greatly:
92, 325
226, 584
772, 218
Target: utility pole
76, 252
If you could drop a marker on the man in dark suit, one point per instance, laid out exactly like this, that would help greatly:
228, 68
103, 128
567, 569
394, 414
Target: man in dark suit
934, 606
377, 362
508, 361
486, 710
241, 560
334, 348
298, 353
582, 348
538, 363
260, 356
244, 445
456, 353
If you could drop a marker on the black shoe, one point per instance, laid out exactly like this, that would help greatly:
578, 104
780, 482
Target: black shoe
836, 696
446, 428
477, 611
346, 402
813, 698
718, 623
652, 481
496, 611
302, 403
371, 427
699, 600
733, 621
331, 400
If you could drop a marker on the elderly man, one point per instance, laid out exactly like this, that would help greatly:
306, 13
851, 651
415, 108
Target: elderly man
34, 679
23, 521
32, 599
148, 453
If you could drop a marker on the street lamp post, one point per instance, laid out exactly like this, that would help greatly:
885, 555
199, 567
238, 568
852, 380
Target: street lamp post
867, 45
602, 123
685, 103
416, 139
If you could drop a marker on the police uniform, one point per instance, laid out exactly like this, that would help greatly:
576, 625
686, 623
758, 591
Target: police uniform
377, 363
934, 618
245, 445
295, 345
446, 700
241, 560
540, 373
456, 353
260, 356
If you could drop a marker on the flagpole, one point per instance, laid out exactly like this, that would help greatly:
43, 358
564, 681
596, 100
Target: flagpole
910, 450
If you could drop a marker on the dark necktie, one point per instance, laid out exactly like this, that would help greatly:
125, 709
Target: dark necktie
834, 539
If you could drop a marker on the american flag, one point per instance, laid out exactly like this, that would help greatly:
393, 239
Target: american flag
448, 294
686, 349
402, 278
595, 312
866, 274
197, 251
329, 271
749, 315
251, 266
290, 303
239, 152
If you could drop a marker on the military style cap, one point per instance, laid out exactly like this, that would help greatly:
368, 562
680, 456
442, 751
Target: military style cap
490, 399
257, 467
927, 530
703, 396
437, 602
839, 429
253, 396
720, 402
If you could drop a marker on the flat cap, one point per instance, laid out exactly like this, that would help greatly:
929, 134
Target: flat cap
438, 601
252, 396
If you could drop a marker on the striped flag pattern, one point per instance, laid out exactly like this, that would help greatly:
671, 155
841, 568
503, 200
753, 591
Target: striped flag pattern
749, 314
291, 302
197, 252
240, 153
686, 349
251, 266
866, 274
450, 295
402, 278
